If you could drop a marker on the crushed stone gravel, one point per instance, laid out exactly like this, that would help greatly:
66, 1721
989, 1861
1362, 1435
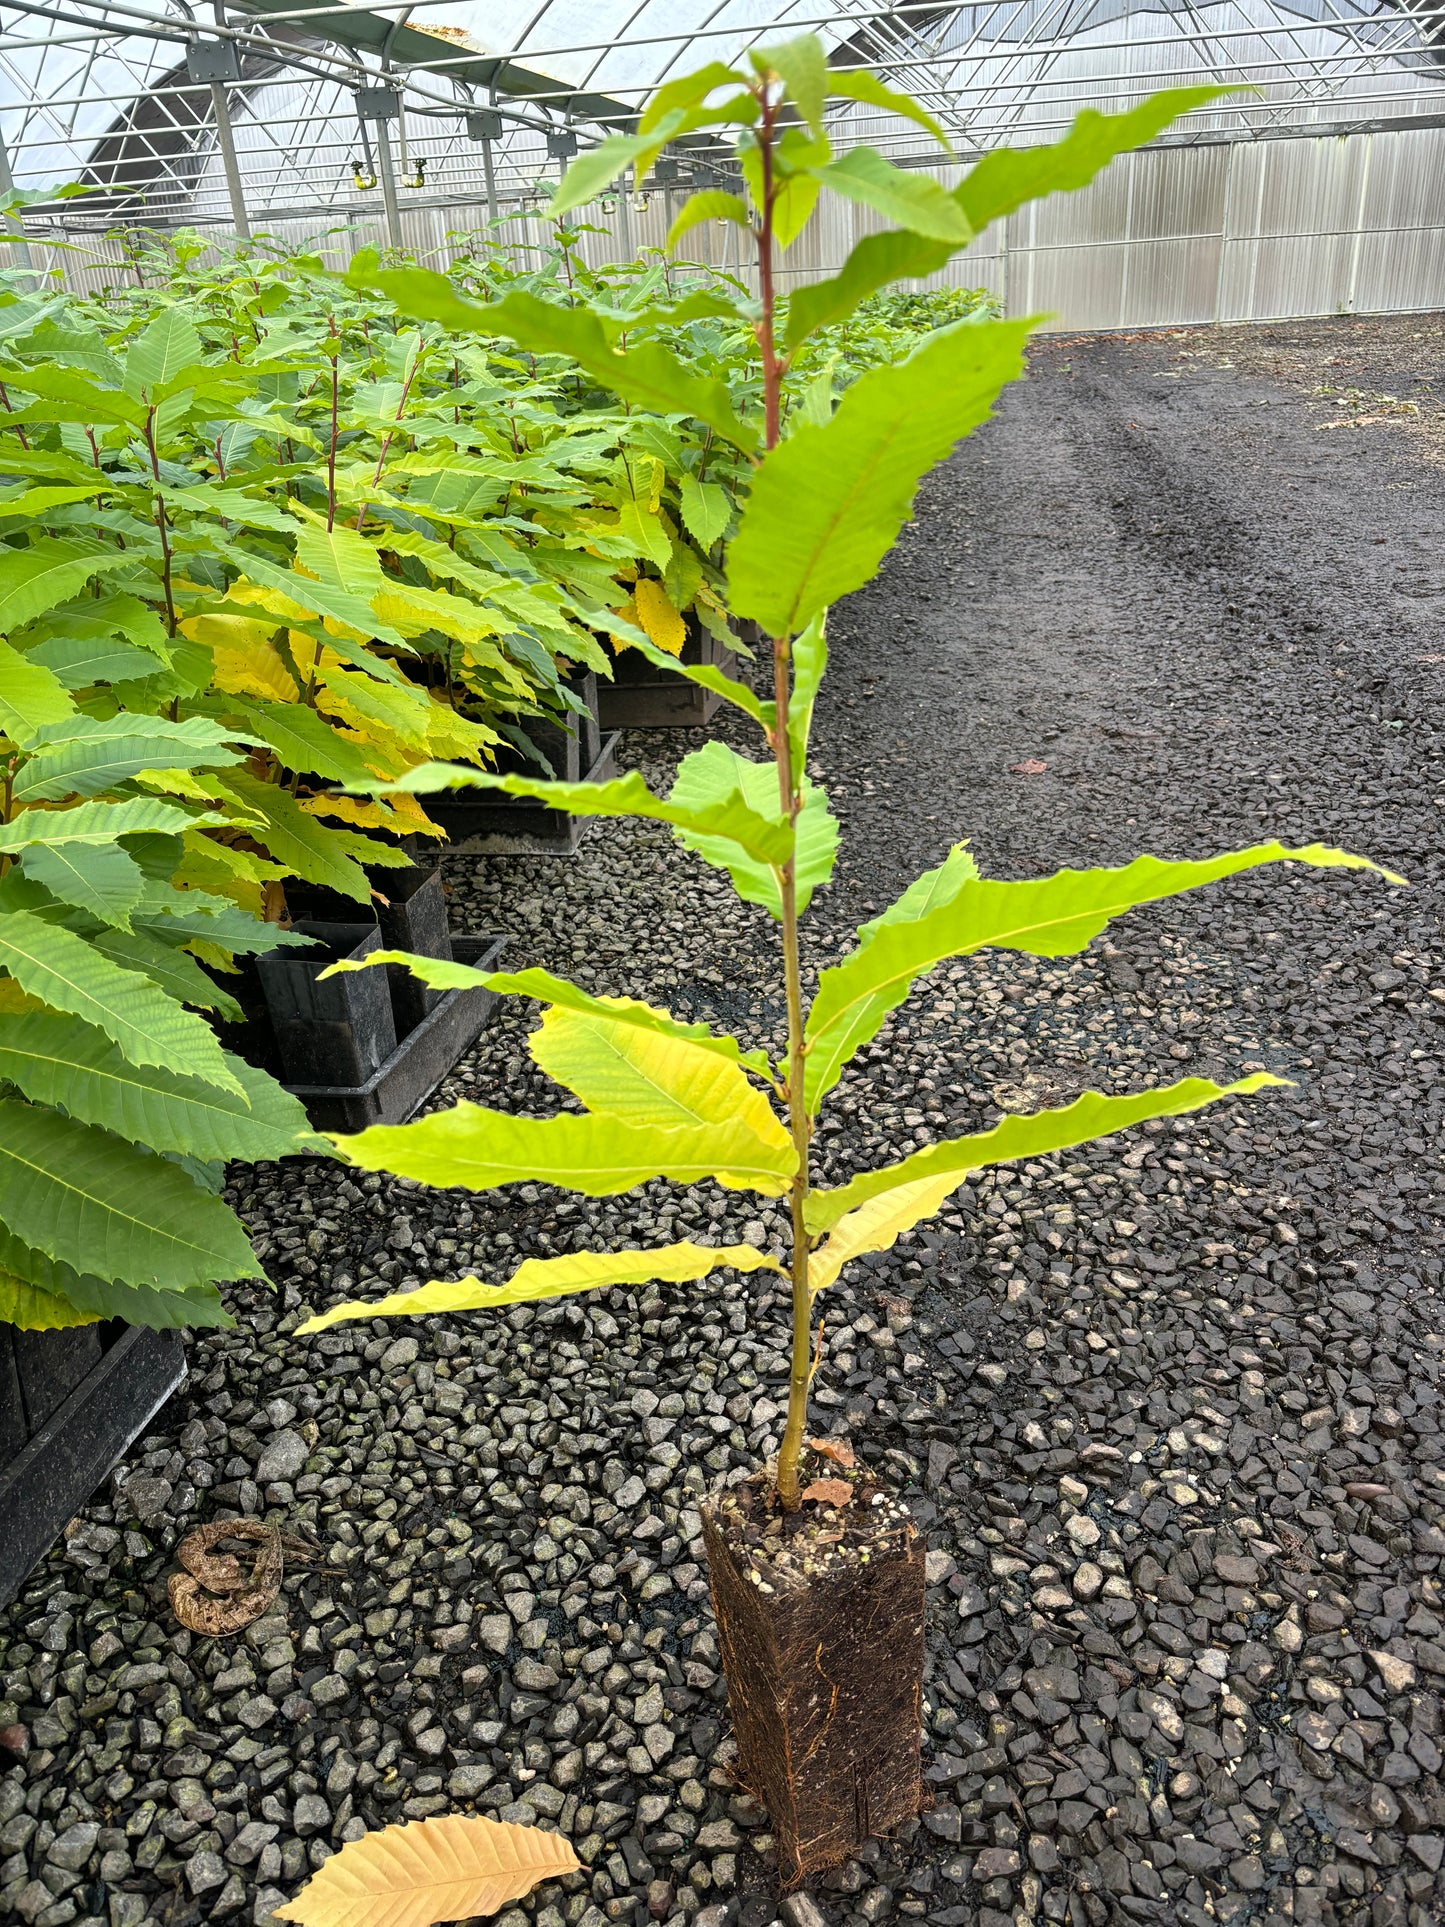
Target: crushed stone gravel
1166, 1410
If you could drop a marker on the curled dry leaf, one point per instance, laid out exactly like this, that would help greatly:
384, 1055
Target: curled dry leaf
829, 1492
1030, 766
838, 1450
242, 1596
444, 1869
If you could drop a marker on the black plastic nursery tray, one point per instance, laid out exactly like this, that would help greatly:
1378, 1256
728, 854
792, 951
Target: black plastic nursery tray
490, 823
420, 1061
643, 696
70, 1404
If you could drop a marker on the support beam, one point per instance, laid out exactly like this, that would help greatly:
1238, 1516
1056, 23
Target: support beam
225, 140
387, 174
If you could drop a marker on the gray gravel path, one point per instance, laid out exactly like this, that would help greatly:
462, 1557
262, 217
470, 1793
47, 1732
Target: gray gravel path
1166, 1410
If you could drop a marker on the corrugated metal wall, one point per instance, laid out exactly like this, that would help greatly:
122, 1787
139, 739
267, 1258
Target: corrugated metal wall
1243, 231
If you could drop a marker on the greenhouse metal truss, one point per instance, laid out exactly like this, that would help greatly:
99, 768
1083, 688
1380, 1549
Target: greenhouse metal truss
176, 114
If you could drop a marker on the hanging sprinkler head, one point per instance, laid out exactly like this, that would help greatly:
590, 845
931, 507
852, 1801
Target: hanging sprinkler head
362, 179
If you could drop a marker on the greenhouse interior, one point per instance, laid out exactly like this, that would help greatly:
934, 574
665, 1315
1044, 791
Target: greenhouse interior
721, 964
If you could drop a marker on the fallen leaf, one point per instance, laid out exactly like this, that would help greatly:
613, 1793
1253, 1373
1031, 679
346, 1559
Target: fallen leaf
449, 1868
838, 1450
829, 1492
243, 1596
1030, 766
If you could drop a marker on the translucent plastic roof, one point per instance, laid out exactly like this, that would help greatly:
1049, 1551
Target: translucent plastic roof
99, 90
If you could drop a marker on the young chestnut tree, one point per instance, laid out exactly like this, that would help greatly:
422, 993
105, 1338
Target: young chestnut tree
828, 496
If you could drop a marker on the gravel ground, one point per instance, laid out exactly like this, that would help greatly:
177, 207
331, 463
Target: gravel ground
1166, 1409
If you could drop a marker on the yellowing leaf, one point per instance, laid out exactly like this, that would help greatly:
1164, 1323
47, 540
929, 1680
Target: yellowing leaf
30, 1309
247, 663
657, 617
644, 1077
14, 1001
480, 1149
362, 816
1034, 1135
554, 1278
444, 1869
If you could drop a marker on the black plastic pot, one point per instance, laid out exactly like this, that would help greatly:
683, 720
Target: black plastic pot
571, 745
410, 911
489, 823
419, 1061
642, 696
332, 1031
71, 1402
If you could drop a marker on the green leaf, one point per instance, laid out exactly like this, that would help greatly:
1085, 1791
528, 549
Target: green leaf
725, 813
149, 1027
687, 91
1008, 176
1046, 917
916, 202
107, 1297
341, 558
105, 881
810, 660
53, 383
99, 823
713, 204
793, 204
56, 1061
301, 841
802, 66
914, 1189
167, 348
159, 957
51, 570
647, 374
715, 771
858, 84
30, 695
645, 1077
321, 598
100, 1205
873, 263
597, 168
481, 1149
538, 1278
1001, 182
706, 509
827, 503
302, 740
443, 974
79, 663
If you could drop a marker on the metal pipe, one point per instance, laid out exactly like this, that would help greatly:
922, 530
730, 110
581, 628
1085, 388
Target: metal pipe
225, 140
387, 175
489, 172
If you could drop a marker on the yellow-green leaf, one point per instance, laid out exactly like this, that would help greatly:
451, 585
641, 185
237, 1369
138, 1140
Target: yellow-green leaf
553, 1278
930, 1175
30, 1309
1045, 917
644, 1078
444, 974
480, 1149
